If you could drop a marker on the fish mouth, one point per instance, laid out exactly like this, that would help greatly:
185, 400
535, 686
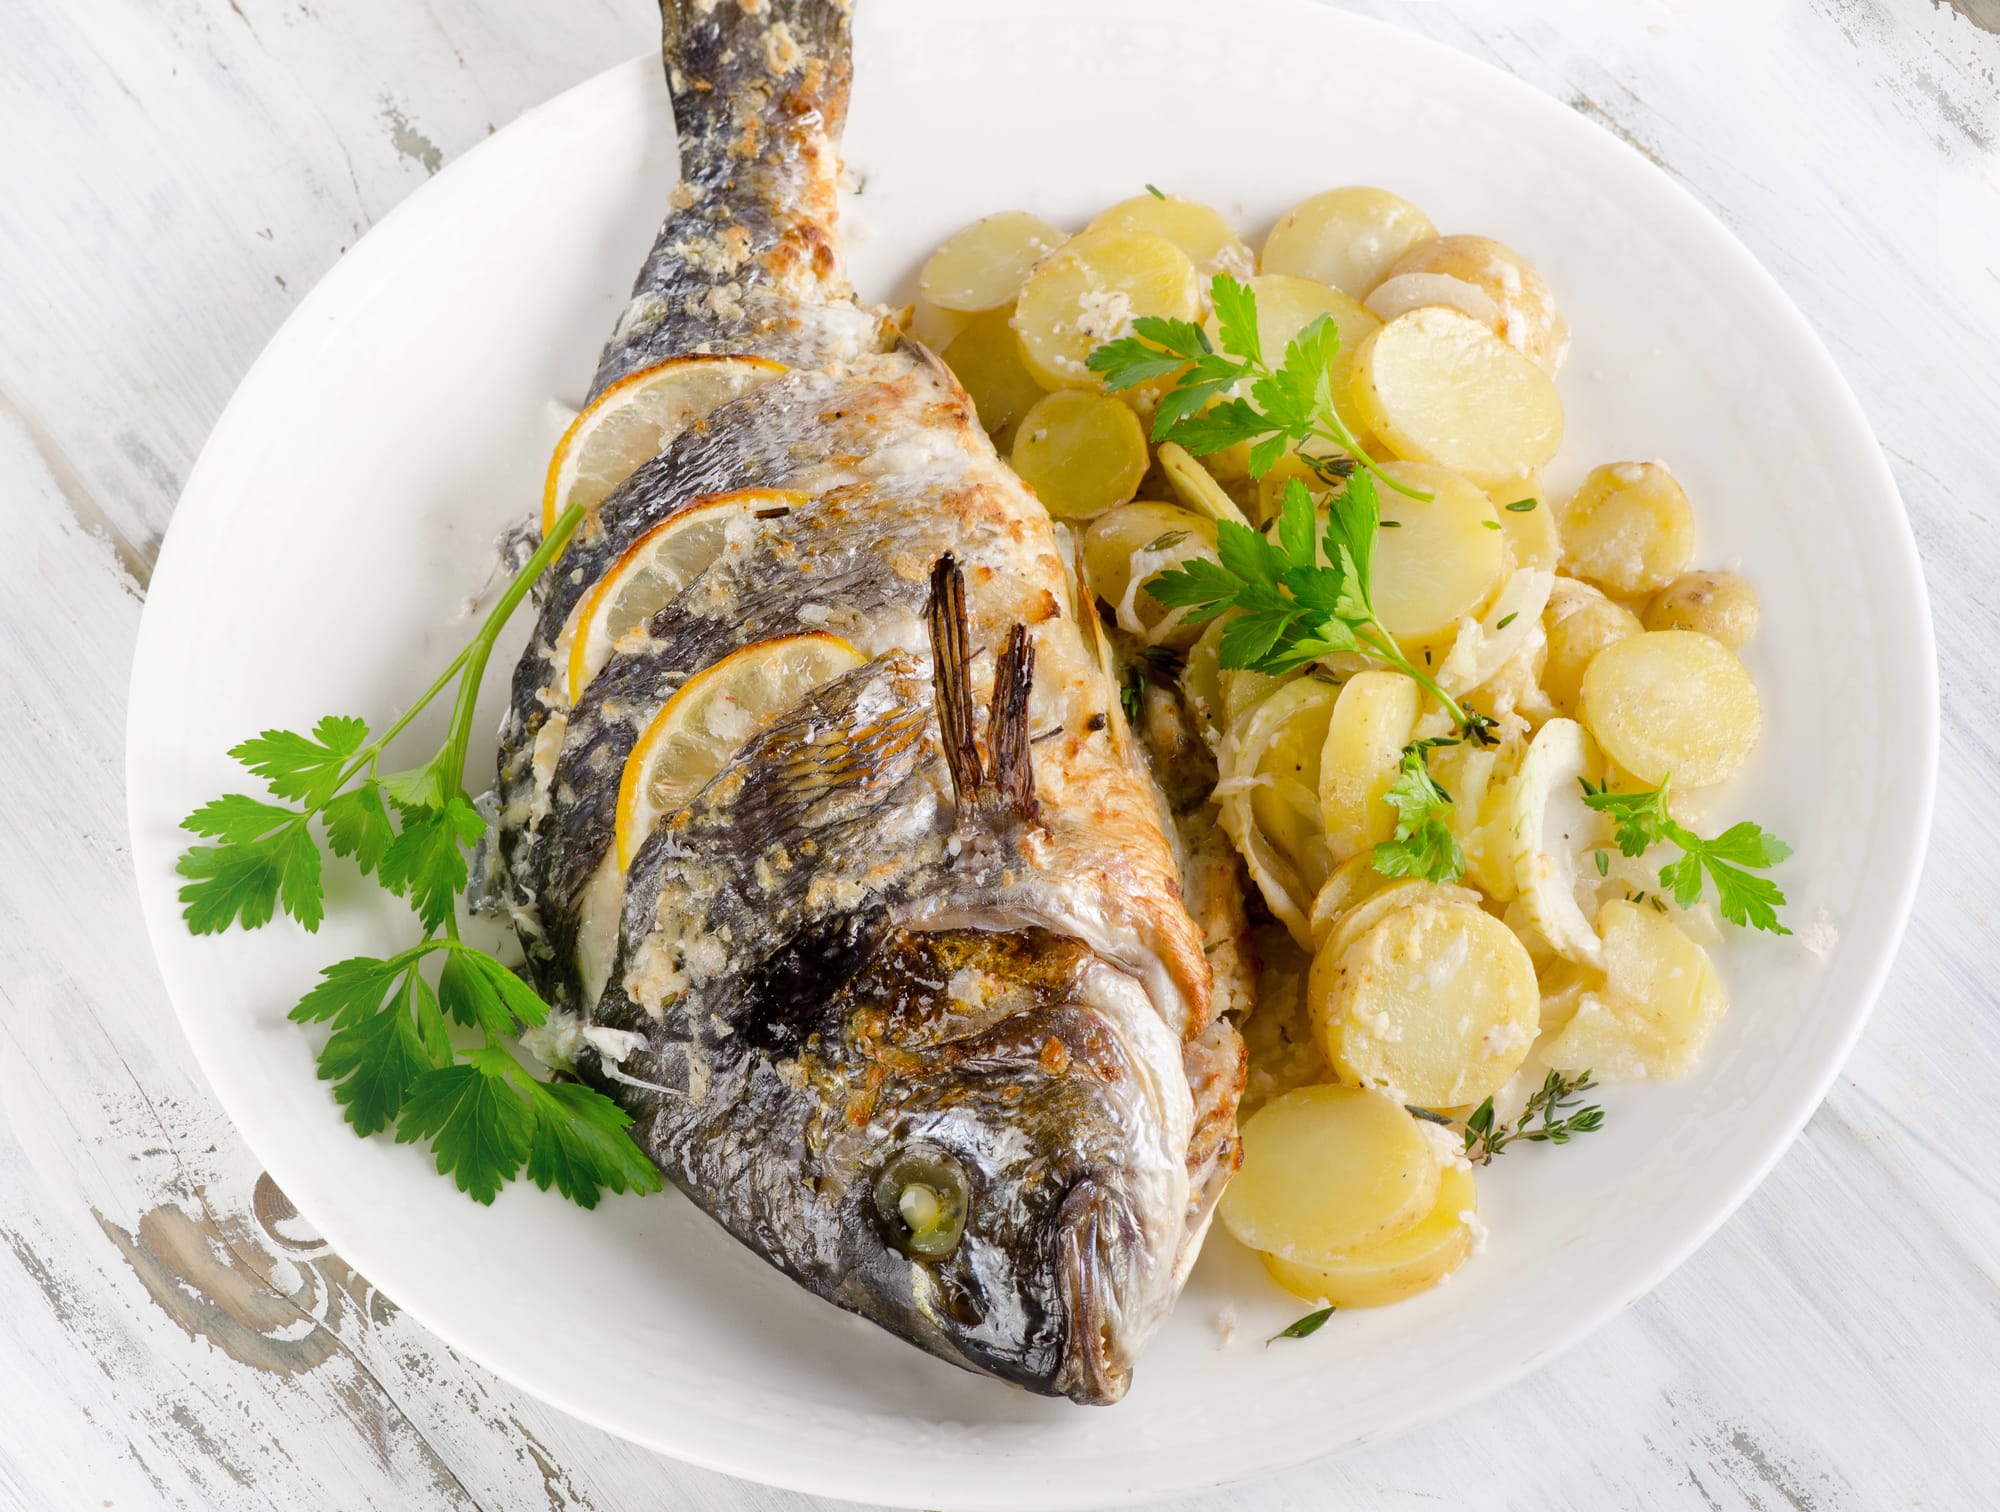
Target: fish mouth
1092, 1250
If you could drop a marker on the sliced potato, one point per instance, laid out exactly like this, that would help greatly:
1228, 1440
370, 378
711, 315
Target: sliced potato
1661, 1000
1436, 1001
1195, 486
1672, 701
986, 359
1580, 622
1081, 453
983, 266
1529, 523
1422, 291
1721, 605
1367, 911
1373, 718
1393, 1270
1126, 546
1550, 834
1438, 559
1210, 242
1529, 319
936, 328
1329, 1170
1437, 386
1485, 833
1089, 291
1345, 237
1629, 528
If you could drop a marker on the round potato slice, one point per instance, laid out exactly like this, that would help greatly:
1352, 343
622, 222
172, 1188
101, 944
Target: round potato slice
986, 360
1437, 559
1721, 605
1528, 522
1629, 528
1437, 386
1351, 882
1672, 702
1329, 1170
1660, 1001
1345, 237
1089, 291
1373, 719
1438, 1002
1126, 546
1366, 912
983, 266
1397, 1269
1081, 453
936, 328
1210, 242
1580, 622
1528, 317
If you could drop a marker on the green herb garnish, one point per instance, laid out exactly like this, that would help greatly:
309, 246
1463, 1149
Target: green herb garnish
1424, 845
1641, 820
1297, 599
390, 1056
1519, 506
1310, 1324
1484, 1139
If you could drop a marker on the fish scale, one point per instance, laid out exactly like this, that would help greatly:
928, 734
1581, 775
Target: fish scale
849, 969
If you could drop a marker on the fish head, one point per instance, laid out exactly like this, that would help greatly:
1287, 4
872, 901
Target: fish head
1021, 1189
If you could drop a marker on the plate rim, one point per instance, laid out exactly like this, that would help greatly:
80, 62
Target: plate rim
841, 1482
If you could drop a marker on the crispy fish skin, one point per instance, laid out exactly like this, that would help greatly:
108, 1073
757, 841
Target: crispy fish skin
866, 967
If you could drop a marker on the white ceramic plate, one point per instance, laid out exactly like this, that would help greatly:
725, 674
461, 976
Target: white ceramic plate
344, 508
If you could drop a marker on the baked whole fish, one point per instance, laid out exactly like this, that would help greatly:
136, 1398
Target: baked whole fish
908, 996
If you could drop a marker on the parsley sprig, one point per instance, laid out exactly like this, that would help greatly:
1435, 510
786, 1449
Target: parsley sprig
1642, 820
1285, 409
1423, 845
1298, 598
1484, 1138
390, 1055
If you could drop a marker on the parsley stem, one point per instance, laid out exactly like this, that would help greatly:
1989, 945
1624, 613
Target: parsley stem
1384, 647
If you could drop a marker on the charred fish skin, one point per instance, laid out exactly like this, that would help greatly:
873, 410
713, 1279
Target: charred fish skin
919, 1018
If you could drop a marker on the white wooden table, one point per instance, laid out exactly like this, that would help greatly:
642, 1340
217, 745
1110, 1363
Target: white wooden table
175, 174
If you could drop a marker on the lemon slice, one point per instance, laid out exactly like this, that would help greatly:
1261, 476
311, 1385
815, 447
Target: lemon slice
653, 569
633, 421
711, 718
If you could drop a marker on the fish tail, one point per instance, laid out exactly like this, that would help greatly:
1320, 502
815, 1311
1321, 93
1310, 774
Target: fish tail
760, 91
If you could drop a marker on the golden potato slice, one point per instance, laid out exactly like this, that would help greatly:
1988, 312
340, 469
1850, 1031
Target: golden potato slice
1436, 559
1437, 386
1345, 237
936, 328
1089, 291
1394, 1270
1436, 1001
986, 360
1580, 622
1528, 521
1127, 546
1373, 719
982, 267
1672, 701
1371, 909
1629, 528
1720, 605
1210, 242
1661, 999
1529, 319
1081, 453
1329, 1170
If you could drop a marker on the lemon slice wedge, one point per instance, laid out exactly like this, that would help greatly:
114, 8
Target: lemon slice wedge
711, 718
653, 569
635, 419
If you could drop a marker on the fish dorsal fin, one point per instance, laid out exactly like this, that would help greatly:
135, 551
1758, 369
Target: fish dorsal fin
952, 677
1007, 724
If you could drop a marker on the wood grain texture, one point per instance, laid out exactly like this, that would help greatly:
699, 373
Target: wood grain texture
176, 173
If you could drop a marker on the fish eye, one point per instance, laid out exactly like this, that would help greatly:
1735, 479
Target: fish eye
921, 1196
